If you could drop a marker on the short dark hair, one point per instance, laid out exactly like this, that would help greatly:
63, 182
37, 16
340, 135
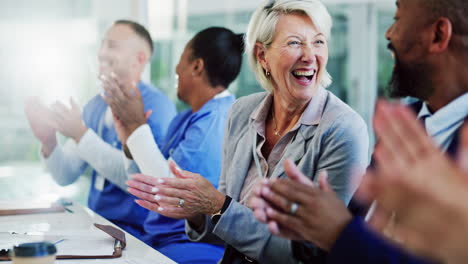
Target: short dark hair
221, 51
140, 30
455, 10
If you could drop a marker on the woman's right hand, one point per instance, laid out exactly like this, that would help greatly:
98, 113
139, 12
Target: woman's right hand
184, 197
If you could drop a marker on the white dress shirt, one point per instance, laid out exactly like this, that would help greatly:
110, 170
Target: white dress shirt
443, 124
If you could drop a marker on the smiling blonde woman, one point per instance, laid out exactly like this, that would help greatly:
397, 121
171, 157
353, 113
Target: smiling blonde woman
296, 118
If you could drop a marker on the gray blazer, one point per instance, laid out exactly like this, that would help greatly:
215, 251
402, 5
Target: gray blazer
339, 144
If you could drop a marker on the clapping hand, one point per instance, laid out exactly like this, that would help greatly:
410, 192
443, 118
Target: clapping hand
424, 189
68, 120
299, 209
185, 196
40, 120
126, 103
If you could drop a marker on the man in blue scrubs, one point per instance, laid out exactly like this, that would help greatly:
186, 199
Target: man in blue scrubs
93, 142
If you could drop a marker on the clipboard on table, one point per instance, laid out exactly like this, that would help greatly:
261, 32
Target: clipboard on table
119, 244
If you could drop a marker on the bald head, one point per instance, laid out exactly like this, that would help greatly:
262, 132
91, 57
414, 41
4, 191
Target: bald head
125, 50
140, 31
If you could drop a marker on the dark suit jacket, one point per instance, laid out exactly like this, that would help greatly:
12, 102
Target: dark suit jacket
357, 244
359, 209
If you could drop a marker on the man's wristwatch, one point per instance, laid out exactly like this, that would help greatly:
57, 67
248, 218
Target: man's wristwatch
216, 216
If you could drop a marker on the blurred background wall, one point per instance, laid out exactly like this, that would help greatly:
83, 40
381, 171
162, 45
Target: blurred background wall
48, 49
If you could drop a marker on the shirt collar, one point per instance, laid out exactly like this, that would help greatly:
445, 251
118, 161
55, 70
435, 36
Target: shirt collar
424, 112
448, 115
224, 93
313, 112
211, 102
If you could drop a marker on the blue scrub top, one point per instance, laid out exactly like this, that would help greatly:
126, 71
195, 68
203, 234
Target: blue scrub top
112, 202
194, 141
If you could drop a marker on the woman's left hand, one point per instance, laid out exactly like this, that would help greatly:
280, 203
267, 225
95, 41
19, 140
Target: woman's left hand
185, 196
127, 105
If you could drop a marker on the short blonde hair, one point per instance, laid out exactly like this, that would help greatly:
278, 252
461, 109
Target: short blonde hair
262, 27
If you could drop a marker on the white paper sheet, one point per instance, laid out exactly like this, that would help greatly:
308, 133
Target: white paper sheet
89, 247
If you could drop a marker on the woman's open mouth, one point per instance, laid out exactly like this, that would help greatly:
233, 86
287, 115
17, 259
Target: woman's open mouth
304, 76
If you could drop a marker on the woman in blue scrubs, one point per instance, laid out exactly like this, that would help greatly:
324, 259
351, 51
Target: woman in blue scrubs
209, 63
